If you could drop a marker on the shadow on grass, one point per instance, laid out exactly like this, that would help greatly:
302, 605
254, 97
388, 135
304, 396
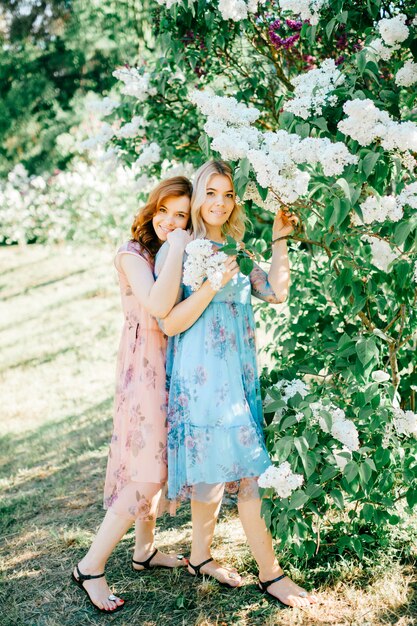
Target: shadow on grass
46, 283
407, 609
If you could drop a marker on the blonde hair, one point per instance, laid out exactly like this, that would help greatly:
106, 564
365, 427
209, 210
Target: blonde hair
235, 225
142, 229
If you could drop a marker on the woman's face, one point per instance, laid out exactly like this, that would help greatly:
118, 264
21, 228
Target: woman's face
219, 202
173, 212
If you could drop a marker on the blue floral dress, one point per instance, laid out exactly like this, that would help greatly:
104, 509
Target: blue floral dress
215, 410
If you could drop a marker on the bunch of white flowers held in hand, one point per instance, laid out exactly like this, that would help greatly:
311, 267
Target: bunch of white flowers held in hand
203, 262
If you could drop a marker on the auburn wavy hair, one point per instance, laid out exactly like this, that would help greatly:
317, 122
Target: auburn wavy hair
235, 225
142, 228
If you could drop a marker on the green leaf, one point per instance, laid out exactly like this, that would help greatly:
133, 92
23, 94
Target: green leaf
350, 471
366, 350
244, 166
365, 473
274, 406
245, 264
361, 61
411, 497
204, 144
401, 232
367, 512
298, 500
309, 461
337, 496
343, 184
369, 162
330, 26
283, 447
381, 457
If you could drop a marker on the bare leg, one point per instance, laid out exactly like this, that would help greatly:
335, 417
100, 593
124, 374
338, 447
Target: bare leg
204, 512
108, 536
145, 543
260, 543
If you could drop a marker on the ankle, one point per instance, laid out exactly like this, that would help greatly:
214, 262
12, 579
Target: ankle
198, 557
91, 566
268, 573
143, 550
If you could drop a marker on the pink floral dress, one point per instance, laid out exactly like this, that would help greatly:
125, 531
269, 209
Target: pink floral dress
137, 463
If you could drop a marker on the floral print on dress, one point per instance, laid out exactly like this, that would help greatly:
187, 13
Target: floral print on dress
214, 407
138, 452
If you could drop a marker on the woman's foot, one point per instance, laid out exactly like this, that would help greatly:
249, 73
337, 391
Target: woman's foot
156, 559
228, 576
287, 591
97, 589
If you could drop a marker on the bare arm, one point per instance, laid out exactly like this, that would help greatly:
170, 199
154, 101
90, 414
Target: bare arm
187, 312
156, 296
273, 287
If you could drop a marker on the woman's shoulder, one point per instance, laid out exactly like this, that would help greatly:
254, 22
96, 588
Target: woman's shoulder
134, 248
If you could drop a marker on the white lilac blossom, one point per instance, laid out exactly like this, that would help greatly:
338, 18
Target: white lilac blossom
407, 75
203, 262
313, 90
103, 106
106, 132
381, 51
235, 10
382, 254
405, 422
365, 123
269, 204
274, 156
131, 129
238, 10
223, 108
306, 9
408, 196
281, 479
376, 209
150, 154
342, 429
168, 3
42, 207
393, 30
415, 272
408, 161
135, 83
289, 388
379, 376
109, 159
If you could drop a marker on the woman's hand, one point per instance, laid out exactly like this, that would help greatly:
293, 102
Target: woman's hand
284, 223
179, 238
231, 269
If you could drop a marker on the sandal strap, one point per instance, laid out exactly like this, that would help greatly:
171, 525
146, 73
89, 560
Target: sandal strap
146, 564
82, 577
267, 583
198, 567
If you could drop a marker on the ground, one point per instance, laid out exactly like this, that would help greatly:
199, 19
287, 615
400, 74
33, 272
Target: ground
60, 319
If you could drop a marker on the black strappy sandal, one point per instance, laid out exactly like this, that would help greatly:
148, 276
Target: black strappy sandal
147, 564
82, 578
263, 587
199, 573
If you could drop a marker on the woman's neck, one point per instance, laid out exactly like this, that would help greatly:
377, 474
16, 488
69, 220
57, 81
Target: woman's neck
214, 233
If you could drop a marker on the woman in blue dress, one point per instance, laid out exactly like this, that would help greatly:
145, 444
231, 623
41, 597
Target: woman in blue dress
215, 411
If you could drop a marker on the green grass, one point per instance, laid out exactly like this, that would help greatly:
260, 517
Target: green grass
59, 325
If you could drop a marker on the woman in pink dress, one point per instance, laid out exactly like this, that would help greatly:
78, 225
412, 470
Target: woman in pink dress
137, 467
